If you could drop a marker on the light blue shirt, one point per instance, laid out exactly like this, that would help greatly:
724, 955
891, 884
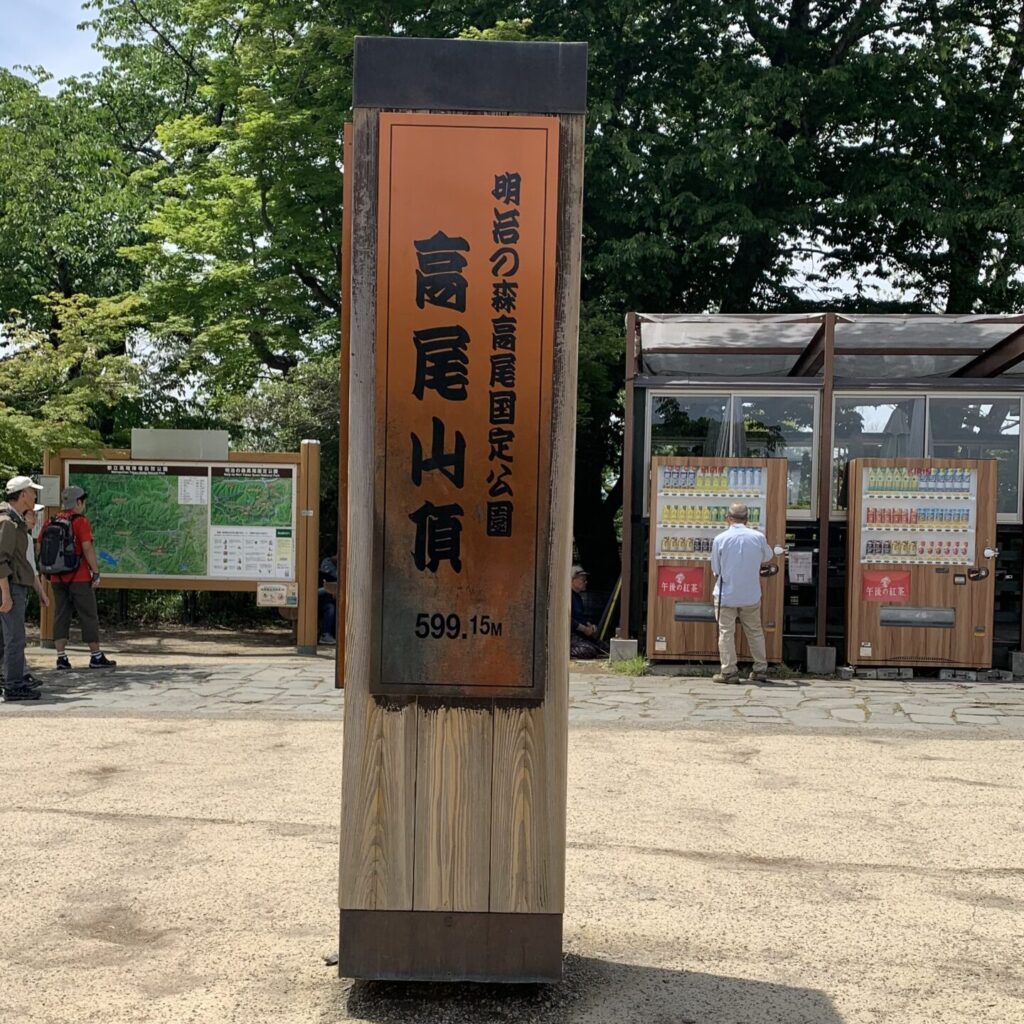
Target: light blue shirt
736, 558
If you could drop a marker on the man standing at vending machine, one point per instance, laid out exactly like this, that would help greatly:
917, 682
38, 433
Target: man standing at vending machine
737, 555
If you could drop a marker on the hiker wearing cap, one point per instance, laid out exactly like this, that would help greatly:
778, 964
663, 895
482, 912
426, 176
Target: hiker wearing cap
582, 638
737, 555
74, 592
16, 577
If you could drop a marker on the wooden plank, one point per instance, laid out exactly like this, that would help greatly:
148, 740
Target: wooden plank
527, 823
825, 477
530, 745
378, 793
125, 455
52, 466
379, 753
307, 551
171, 583
396, 946
627, 477
453, 807
344, 375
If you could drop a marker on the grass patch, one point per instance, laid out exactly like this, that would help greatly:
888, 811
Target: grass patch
630, 667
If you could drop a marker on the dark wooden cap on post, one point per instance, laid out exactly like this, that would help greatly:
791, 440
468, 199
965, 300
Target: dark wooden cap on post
456, 74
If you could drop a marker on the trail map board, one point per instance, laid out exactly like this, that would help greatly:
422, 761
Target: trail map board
190, 521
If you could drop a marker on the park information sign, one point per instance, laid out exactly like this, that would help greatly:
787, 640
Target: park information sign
190, 521
467, 228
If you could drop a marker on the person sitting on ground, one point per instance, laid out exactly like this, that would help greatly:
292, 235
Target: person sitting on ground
583, 642
327, 599
737, 555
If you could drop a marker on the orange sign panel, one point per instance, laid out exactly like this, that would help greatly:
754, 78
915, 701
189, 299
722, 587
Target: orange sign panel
467, 223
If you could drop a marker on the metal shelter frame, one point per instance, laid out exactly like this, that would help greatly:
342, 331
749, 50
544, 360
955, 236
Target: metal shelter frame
948, 353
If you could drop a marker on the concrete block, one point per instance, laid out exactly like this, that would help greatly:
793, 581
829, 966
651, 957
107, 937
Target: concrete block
821, 661
622, 650
846, 672
966, 675
997, 675
1017, 664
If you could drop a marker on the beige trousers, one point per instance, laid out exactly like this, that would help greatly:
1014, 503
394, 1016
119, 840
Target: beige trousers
750, 619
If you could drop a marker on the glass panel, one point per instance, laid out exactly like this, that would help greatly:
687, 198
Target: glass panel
690, 425
897, 367
979, 429
780, 427
877, 428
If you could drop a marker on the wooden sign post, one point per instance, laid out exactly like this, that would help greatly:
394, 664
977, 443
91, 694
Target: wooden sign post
466, 220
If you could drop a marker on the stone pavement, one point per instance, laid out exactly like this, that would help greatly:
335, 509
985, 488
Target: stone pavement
279, 684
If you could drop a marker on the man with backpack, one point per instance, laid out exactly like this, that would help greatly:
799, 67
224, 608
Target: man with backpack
16, 577
68, 556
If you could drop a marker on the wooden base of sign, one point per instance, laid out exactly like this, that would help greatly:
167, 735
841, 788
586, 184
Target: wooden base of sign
416, 945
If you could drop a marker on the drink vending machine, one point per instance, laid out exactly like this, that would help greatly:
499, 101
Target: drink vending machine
689, 501
921, 554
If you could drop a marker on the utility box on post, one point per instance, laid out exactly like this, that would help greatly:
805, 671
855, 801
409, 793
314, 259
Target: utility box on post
466, 223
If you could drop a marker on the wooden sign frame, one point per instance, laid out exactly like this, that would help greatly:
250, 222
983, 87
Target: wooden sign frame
306, 463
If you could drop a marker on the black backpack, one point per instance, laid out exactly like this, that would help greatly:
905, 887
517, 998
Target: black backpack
57, 554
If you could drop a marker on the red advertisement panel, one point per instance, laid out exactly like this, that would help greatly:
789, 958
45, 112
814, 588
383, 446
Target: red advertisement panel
682, 584
891, 587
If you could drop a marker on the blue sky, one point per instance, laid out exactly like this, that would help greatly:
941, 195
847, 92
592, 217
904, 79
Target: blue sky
44, 32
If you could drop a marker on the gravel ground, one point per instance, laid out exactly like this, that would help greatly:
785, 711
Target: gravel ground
162, 869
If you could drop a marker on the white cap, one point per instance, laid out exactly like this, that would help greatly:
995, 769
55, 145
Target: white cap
17, 484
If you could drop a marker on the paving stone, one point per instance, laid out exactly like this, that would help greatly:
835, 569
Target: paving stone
849, 714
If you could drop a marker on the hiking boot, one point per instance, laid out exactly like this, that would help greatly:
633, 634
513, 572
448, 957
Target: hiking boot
101, 661
758, 677
63, 662
732, 677
14, 693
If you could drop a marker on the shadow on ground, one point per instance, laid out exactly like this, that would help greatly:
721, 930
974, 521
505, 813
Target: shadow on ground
83, 683
592, 992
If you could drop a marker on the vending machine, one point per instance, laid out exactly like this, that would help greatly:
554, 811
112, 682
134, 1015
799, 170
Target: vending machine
921, 553
689, 502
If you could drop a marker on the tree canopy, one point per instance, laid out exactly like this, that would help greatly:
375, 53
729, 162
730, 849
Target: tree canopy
169, 226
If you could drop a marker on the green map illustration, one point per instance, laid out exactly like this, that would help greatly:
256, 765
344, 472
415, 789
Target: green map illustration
140, 529
250, 501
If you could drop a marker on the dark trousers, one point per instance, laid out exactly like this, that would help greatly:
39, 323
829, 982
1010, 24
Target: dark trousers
12, 624
327, 612
75, 599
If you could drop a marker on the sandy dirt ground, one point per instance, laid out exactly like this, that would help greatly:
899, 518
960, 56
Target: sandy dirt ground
168, 870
